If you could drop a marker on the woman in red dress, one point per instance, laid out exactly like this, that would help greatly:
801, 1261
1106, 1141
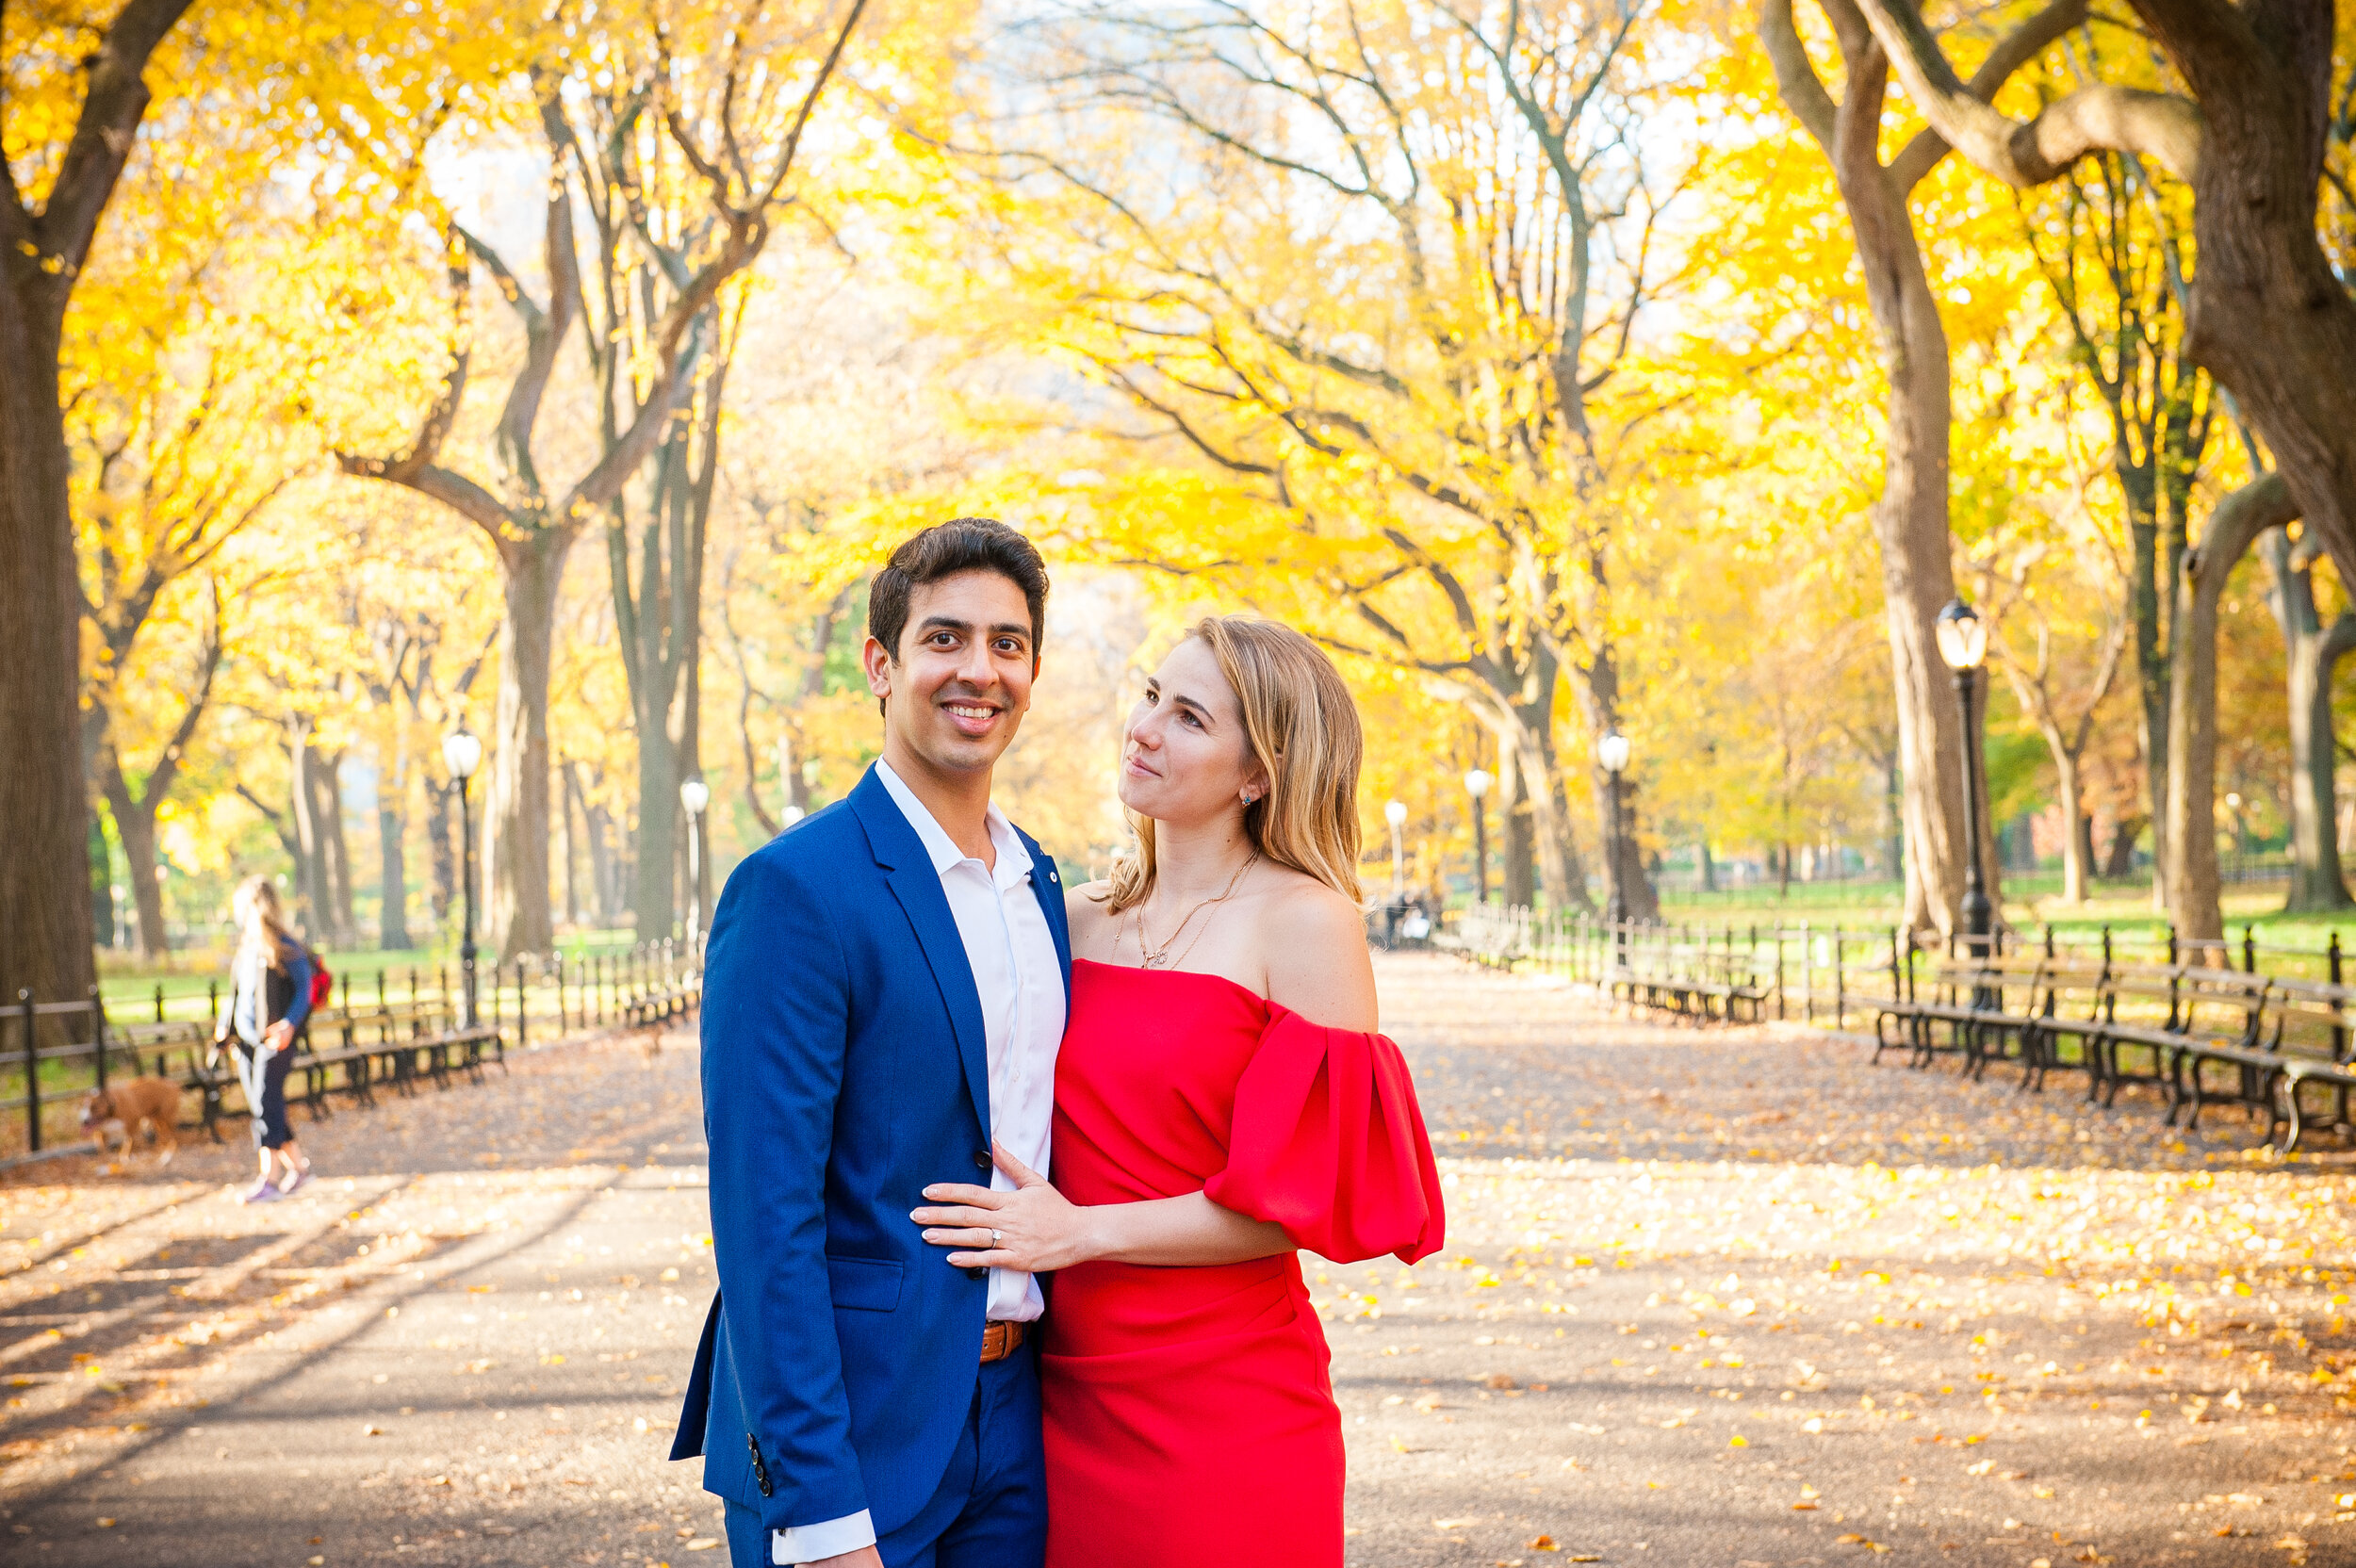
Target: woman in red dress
1222, 1101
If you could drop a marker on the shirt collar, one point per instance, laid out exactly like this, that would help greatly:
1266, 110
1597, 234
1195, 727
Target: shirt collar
1014, 861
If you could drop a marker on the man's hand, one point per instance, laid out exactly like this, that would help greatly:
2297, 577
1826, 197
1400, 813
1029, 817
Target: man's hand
1037, 1228
866, 1557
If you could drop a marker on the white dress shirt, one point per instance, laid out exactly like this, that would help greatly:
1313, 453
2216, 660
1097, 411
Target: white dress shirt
1019, 977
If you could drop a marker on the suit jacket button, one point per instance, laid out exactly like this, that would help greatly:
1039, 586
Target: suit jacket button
978, 1273
981, 1159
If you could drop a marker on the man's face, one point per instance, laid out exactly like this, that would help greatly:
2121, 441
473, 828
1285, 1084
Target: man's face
962, 682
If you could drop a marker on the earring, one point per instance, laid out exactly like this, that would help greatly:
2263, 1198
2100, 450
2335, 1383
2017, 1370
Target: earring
1248, 797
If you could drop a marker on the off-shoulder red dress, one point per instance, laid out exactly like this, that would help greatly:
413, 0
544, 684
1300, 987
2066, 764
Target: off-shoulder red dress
1189, 1412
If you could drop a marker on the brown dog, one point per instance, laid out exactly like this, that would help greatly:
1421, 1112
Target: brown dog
117, 1110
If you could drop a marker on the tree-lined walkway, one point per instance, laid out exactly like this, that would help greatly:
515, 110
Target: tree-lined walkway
1716, 1298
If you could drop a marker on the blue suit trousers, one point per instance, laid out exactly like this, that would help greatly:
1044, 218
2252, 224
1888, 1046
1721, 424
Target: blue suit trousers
991, 1508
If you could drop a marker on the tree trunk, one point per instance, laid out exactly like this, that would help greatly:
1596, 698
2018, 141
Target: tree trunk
572, 844
1911, 518
46, 895
516, 918
2311, 652
102, 896
604, 869
392, 837
1517, 877
135, 822
1709, 867
2076, 845
2269, 319
314, 903
2190, 844
1623, 861
656, 906
2120, 861
44, 789
323, 805
441, 846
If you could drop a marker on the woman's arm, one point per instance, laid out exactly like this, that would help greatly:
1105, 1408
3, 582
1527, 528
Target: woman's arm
1039, 1230
298, 964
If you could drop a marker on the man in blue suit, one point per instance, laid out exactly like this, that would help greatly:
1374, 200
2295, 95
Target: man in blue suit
884, 992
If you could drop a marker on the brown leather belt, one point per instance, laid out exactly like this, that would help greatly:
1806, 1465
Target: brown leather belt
1000, 1340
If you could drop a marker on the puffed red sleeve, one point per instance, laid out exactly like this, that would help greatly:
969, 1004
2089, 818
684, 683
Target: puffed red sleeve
1327, 1142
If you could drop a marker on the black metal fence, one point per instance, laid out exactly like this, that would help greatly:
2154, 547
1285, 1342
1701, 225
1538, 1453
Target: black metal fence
1829, 974
62, 1049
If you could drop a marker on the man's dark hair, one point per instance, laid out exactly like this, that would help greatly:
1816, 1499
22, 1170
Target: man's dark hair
961, 545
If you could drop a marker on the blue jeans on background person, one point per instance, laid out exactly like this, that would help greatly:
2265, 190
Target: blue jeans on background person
262, 1073
991, 1509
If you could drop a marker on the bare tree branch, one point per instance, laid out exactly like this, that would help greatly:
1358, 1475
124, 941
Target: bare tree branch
2162, 127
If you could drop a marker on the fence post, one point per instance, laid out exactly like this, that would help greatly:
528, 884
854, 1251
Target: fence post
2171, 944
523, 1005
32, 1077
2339, 1031
159, 1001
2249, 950
1807, 974
1840, 985
98, 1038
1779, 973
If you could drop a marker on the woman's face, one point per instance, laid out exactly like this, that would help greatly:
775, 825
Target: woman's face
1185, 756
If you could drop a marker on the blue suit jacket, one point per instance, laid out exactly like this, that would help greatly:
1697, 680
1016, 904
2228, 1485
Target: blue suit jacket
843, 1070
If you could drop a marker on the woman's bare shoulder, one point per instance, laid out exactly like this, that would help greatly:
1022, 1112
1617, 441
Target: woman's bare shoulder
1084, 907
1312, 940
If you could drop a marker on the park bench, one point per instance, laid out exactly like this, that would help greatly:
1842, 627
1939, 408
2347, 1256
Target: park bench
2300, 1041
391, 1042
2075, 996
2169, 1011
368, 1045
1697, 980
1956, 986
2311, 1034
2007, 1001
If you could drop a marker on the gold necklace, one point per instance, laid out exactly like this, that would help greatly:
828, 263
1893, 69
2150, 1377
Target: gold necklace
1159, 957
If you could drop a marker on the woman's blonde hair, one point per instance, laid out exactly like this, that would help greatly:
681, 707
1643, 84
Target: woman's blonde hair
1302, 726
257, 902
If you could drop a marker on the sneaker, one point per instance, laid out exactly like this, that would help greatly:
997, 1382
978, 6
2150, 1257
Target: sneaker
302, 1178
260, 1192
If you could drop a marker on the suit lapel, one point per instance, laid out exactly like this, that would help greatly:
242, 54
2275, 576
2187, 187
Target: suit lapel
909, 871
1048, 884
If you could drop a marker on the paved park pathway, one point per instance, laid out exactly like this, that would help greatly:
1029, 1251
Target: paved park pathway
1729, 1298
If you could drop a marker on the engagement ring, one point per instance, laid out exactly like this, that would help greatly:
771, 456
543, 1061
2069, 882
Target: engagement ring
996, 1237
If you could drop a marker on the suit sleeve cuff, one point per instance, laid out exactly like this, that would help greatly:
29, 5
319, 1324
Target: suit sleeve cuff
832, 1538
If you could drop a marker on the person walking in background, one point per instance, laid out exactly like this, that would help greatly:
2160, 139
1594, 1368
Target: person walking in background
270, 999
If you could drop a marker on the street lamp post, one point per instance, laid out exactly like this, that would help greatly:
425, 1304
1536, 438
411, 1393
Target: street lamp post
1611, 751
1476, 784
462, 752
1963, 644
695, 794
1395, 812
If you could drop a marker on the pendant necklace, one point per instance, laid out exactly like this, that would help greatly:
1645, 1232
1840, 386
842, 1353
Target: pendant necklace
1159, 957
